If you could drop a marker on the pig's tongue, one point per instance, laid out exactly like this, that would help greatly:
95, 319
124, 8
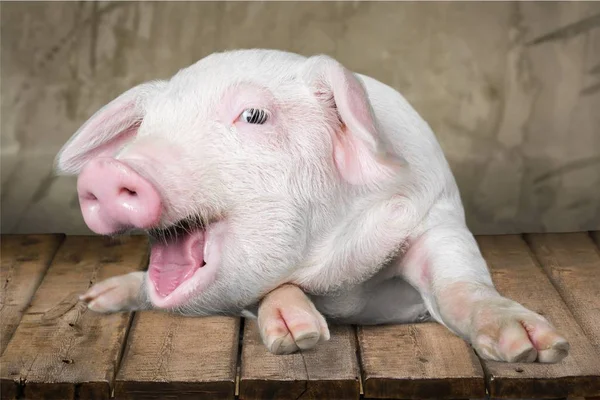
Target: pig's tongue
173, 262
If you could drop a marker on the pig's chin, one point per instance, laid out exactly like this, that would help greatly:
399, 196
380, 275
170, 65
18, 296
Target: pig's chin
183, 265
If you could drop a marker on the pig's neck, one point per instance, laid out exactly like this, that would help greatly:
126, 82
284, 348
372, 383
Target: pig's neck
362, 235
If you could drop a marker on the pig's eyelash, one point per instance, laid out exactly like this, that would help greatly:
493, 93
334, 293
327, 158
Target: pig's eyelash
254, 116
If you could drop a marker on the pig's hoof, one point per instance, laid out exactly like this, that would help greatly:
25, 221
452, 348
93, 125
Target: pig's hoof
293, 330
506, 331
288, 322
119, 293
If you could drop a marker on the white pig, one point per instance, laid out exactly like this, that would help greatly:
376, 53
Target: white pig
290, 189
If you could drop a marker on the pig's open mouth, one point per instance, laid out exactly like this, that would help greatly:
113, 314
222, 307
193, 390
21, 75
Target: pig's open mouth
183, 261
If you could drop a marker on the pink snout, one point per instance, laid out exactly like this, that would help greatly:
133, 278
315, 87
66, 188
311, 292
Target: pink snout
113, 197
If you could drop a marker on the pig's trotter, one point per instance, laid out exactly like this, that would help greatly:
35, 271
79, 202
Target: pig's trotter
120, 293
288, 321
447, 266
499, 328
503, 330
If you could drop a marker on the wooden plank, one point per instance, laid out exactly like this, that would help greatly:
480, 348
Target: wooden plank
61, 349
170, 356
328, 371
24, 260
518, 277
418, 361
572, 262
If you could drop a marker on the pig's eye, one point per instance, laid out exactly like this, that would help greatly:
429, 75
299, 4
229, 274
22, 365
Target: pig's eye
254, 116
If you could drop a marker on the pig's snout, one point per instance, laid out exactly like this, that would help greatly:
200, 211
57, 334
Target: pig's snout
113, 197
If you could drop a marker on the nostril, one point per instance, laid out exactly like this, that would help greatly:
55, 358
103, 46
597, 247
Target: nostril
90, 196
113, 197
128, 192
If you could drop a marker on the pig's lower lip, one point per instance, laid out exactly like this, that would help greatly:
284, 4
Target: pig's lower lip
182, 266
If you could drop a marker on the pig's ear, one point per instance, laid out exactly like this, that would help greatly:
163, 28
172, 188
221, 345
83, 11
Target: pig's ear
358, 151
108, 130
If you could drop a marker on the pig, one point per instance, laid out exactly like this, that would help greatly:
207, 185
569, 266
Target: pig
289, 189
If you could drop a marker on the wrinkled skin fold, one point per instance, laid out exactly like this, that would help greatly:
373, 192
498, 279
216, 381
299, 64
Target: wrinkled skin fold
290, 190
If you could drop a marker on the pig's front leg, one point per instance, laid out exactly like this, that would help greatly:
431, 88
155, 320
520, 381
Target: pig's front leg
446, 266
288, 321
119, 293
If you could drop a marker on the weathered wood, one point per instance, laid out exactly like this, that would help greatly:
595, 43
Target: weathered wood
418, 361
518, 277
62, 351
24, 261
60, 347
170, 356
329, 371
572, 262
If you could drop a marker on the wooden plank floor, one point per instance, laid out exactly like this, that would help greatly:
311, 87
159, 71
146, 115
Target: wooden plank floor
54, 348
25, 260
330, 372
517, 275
59, 348
168, 355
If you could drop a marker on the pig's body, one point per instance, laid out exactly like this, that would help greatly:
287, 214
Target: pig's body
379, 293
302, 175
386, 297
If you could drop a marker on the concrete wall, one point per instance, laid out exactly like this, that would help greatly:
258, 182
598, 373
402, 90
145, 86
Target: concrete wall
511, 89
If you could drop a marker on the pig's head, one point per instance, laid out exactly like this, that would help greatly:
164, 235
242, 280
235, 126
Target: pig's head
235, 167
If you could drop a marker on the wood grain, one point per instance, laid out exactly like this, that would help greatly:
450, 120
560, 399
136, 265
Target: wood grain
170, 356
329, 371
572, 262
518, 277
61, 349
24, 260
418, 361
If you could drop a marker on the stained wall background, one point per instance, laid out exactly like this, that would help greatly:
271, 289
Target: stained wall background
512, 89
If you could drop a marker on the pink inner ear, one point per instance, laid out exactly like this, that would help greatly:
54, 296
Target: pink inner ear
109, 129
356, 164
356, 151
353, 105
113, 145
103, 135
